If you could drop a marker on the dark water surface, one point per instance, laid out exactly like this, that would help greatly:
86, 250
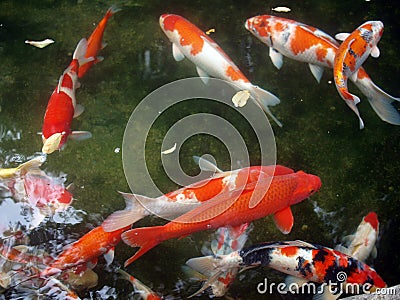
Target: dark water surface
359, 169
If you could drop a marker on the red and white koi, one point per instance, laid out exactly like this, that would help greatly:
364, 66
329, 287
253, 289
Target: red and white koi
301, 42
274, 196
176, 203
228, 239
95, 42
144, 291
62, 107
210, 60
352, 53
361, 244
300, 259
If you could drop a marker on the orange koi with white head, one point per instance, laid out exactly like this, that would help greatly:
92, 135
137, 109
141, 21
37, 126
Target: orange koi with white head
352, 53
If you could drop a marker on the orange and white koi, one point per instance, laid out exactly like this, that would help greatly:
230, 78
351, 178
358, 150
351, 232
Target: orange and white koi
352, 53
144, 291
232, 208
176, 203
62, 107
301, 42
95, 42
87, 249
228, 239
210, 60
300, 259
361, 244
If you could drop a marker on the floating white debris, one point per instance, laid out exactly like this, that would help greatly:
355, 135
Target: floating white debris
40, 44
212, 30
168, 151
281, 9
116, 150
240, 98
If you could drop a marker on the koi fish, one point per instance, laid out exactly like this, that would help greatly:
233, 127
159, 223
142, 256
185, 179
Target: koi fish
95, 42
305, 43
352, 53
144, 291
227, 240
23, 168
361, 244
62, 107
232, 208
210, 60
42, 191
88, 248
176, 203
297, 258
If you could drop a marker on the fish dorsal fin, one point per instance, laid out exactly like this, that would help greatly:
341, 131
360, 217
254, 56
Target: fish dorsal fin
342, 36
374, 252
300, 243
177, 53
284, 220
79, 109
203, 75
375, 52
206, 165
276, 58
109, 256
317, 71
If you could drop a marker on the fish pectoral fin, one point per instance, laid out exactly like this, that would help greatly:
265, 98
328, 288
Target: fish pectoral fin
342, 36
52, 143
177, 53
276, 58
375, 52
324, 292
293, 281
79, 109
342, 249
317, 71
109, 256
203, 75
206, 165
354, 76
374, 252
284, 220
348, 239
80, 135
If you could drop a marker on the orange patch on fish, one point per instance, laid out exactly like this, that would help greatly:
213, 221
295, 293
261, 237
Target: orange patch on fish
190, 34
235, 74
289, 251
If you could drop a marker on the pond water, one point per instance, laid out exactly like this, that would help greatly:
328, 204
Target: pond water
359, 169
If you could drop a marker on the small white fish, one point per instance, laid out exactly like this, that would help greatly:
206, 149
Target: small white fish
168, 151
281, 9
40, 44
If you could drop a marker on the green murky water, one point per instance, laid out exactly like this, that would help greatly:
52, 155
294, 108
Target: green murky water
359, 169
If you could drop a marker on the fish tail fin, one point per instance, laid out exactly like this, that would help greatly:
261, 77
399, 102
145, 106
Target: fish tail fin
146, 238
112, 10
265, 99
382, 103
80, 51
32, 164
133, 212
205, 265
352, 103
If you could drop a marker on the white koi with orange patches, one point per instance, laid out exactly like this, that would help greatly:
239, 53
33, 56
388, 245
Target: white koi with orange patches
190, 42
